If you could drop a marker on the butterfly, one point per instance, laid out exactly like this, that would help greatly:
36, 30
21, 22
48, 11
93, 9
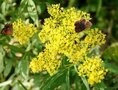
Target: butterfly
82, 25
7, 30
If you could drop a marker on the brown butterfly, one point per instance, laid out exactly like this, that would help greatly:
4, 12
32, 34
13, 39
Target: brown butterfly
82, 25
7, 30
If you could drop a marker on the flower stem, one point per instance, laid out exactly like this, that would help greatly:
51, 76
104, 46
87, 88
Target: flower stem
85, 83
83, 79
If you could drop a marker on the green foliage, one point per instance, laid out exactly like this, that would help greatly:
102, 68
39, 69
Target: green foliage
14, 59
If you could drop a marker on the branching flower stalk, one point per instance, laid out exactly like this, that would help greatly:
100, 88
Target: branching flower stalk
60, 38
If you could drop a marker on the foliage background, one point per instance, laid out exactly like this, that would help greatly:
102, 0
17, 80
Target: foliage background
14, 59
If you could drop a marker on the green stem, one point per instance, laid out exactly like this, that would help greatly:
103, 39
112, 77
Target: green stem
68, 80
99, 7
71, 3
83, 79
85, 83
22, 85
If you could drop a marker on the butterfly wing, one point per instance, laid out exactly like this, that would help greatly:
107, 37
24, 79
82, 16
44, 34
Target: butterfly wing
80, 25
7, 30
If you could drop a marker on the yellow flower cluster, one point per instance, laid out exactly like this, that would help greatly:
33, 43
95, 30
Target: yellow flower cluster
45, 61
59, 34
95, 37
23, 32
60, 38
93, 69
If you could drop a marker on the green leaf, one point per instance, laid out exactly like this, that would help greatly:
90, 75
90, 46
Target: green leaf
111, 53
29, 47
32, 11
2, 54
37, 79
18, 87
54, 81
112, 67
68, 80
78, 84
25, 64
85, 83
18, 67
23, 6
8, 67
99, 7
50, 1
100, 86
3, 7
42, 7
13, 48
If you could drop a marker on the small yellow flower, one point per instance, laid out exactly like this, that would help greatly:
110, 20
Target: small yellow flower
93, 69
23, 32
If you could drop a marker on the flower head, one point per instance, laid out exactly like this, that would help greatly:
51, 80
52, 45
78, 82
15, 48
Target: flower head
93, 69
23, 32
58, 33
60, 38
45, 61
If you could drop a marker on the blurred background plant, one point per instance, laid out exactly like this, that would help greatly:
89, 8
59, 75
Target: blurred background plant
14, 58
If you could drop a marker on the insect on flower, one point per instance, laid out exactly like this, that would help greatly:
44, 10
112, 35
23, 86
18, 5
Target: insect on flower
7, 30
82, 25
